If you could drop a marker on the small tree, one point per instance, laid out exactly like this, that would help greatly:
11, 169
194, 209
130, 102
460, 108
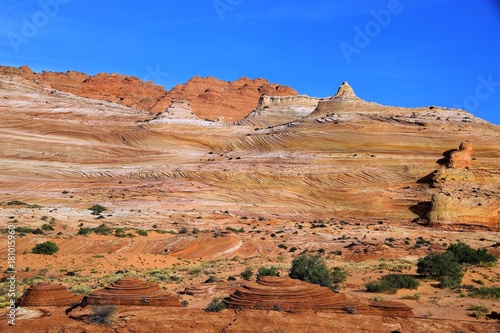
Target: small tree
45, 248
311, 269
97, 209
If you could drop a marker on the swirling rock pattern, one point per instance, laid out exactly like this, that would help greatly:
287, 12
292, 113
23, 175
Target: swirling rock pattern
132, 292
48, 294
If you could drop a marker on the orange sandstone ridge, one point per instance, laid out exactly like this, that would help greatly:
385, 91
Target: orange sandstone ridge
209, 97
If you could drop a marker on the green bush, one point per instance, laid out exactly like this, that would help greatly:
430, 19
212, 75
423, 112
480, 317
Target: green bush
339, 275
84, 231
47, 227
467, 255
311, 269
443, 267
97, 209
247, 274
102, 230
392, 283
492, 292
45, 248
265, 271
215, 306
141, 232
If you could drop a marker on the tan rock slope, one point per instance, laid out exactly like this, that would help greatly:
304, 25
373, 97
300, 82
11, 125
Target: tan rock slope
48, 294
347, 158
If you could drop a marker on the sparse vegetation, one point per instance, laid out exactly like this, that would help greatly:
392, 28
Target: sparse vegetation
267, 271
215, 306
392, 283
101, 315
45, 248
247, 274
492, 292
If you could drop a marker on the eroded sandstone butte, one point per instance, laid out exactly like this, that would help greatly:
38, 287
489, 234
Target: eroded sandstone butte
209, 97
131, 291
280, 293
48, 294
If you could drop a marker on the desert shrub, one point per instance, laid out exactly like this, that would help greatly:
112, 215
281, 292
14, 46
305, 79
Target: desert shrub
47, 227
339, 275
467, 255
102, 230
492, 292
24, 230
141, 232
184, 303
231, 278
443, 267
211, 279
84, 231
247, 274
37, 231
16, 203
479, 311
236, 231
415, 297
311, 269
101, 315
183, 230
45, 248
97, 209
267, 271
215, 306
392, 283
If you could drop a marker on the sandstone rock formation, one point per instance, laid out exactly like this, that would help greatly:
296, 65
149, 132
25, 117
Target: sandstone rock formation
461, 195
48, 294
279, 293
461, 159
132, 292
210, 98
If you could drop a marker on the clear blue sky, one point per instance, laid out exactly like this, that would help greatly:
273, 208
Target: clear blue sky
406, 52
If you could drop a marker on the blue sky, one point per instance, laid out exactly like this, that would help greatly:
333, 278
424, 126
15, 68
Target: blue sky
395, 52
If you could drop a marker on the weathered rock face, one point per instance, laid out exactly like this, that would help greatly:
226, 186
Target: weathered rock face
210, 98
462, 195
48, 294
132, 291
276, 110
461, 159
279, 293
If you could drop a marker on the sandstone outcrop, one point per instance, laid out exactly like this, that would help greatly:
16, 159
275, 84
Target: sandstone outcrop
461, 159
131, 292
210, 98
280, 293
48, 294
